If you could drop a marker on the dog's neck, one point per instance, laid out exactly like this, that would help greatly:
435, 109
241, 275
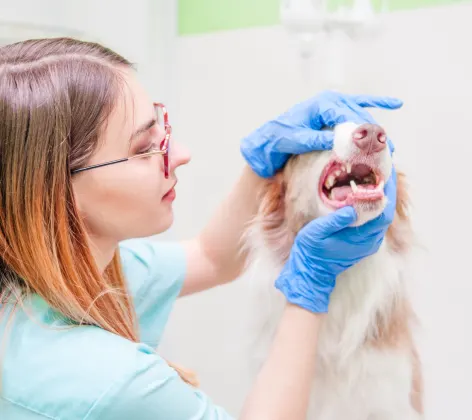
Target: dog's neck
365, 299
362, 305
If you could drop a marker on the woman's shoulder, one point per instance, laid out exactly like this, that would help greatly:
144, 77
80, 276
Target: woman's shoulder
146, 259
55, 370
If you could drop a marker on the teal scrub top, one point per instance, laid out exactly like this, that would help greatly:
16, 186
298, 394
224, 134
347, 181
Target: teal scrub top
86, 373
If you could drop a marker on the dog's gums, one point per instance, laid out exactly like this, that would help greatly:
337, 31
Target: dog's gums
347, 183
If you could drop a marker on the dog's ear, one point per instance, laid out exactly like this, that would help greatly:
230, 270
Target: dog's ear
399, 232
272, 218
272, 207
403, 199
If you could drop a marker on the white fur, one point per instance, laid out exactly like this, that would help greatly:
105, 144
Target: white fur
353, 381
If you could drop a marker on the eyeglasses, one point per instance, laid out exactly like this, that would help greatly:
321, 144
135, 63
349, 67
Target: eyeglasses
162, 149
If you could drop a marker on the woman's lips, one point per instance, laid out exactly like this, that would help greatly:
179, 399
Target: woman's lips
169, 195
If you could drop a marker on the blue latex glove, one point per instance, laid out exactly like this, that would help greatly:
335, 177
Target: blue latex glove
299, 129
326, 247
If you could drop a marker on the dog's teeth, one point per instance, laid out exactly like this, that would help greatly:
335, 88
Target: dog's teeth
330, 181
348, 168
381, 186
337, 173
354, 186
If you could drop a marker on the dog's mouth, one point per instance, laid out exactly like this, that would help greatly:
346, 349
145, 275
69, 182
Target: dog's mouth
349, 183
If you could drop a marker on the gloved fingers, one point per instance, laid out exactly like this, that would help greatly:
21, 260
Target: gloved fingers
390, 191
304, 140
390, 188
309, 140
391, 146
326, 226
385, 102
366, 238
345, 111
353, 111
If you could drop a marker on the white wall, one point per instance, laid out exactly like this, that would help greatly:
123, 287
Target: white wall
228, 83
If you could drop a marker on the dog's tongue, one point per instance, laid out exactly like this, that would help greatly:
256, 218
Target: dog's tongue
340, 193
366, 191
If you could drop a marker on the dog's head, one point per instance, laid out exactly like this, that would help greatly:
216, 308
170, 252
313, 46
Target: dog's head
352, 173
314, 184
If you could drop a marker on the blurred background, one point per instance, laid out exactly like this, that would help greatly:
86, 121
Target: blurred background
224, 67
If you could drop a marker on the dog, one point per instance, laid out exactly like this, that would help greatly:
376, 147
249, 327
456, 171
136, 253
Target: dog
368, 367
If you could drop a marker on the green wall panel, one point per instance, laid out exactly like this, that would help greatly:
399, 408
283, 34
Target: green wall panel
203, 16
200, 16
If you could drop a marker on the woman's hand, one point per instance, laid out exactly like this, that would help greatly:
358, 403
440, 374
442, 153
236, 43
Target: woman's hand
299, 130
326, 247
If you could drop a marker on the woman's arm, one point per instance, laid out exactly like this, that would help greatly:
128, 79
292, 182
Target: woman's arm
282, 388
215, 256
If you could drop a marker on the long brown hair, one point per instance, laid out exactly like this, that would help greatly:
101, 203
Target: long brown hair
55, 98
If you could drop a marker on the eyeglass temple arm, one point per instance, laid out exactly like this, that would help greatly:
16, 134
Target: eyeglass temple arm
98, 165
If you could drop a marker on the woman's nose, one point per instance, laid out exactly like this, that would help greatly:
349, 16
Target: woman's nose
178, 155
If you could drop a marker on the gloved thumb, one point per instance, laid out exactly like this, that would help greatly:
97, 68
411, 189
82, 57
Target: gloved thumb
334, 222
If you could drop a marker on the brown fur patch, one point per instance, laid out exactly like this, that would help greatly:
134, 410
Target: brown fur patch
416, 395
394, 333
399, 233
295, 221
188, 376
272, 204
272, 217
393, 327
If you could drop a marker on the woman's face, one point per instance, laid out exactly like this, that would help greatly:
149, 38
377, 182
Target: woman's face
129, 199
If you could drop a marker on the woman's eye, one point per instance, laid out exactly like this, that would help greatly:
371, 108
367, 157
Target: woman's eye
145, 149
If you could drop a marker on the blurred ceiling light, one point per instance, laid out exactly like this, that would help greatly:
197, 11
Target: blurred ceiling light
306, 19
318, 29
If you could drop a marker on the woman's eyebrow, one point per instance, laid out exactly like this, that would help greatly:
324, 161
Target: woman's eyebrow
146, 126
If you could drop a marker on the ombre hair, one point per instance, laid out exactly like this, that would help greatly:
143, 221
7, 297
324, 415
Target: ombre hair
56, 96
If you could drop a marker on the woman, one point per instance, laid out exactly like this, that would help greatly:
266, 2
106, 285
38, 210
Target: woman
86, 177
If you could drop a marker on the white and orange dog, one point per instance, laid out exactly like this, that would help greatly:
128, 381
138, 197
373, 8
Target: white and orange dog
367, 367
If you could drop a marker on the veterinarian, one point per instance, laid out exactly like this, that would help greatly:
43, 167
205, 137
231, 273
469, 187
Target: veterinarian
88, 168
